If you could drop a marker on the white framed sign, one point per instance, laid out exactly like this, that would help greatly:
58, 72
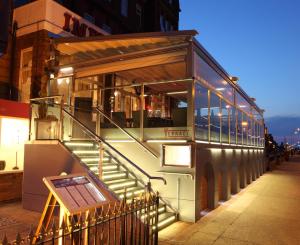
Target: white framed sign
177, 155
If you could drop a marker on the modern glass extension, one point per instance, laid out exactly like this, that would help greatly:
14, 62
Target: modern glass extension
155, 87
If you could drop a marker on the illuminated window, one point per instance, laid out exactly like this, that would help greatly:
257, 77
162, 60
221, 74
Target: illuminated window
14, 131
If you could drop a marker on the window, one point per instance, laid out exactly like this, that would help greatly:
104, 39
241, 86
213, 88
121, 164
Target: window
25, 75
205, 73
239, 127
245, 129
124, 8
106, 28
201, 112
215, 118
89, 18
162, 23
139, 14
232, 124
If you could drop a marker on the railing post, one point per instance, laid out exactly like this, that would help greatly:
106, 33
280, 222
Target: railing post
30, 123
156, 219
101, 156
61, 135
142, 113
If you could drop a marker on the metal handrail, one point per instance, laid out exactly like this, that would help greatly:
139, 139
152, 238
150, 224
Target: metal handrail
126, 132
47, 97
100, 139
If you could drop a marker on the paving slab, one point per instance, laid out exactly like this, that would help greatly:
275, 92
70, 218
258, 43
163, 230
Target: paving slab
265, 212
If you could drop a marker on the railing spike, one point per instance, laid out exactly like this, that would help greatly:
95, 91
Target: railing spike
95, 214
53, 227
18, 239
31, 235
4, 241
63, 225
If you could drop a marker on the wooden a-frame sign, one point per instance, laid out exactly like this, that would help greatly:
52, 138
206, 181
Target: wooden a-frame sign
76, 194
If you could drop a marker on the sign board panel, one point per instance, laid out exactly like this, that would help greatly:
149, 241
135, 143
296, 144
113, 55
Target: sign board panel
177, 155
75, 193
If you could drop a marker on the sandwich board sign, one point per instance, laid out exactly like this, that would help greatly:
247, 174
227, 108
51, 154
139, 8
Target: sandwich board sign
76, 194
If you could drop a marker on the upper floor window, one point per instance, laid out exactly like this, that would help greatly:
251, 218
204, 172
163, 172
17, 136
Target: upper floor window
162, 23
139, 14
124, 8
89, 18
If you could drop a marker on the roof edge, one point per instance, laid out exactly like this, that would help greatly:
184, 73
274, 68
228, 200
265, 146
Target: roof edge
125, 36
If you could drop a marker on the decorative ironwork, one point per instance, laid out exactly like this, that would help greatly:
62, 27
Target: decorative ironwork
124, 222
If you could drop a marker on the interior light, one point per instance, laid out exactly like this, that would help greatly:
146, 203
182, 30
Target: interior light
177, 92
59, 81
244, 123
116, 93
66, 70
220, 89
166, 141
51, 75
242, 106
227, 106
67, 80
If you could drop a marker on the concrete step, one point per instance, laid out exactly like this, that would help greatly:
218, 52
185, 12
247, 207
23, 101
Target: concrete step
165, 219
121, 183
112, 175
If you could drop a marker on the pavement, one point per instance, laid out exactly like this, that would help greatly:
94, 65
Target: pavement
266, 212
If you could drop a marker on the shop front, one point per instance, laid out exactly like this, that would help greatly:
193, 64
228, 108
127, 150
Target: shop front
162, 103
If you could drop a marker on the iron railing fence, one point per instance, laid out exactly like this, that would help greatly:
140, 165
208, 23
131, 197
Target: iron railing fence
122, 223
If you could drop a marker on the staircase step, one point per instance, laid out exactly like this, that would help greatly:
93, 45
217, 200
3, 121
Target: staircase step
161, 210
130, 192
165, 219
79, 144
108, 167
86, 152
120, 183
116, 175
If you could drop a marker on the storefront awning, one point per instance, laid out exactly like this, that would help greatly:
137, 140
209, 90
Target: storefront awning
104, 54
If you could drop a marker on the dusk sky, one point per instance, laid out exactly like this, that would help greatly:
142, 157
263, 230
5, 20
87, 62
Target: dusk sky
256, 40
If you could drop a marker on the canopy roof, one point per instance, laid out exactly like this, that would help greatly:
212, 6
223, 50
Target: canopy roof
130, 54
76, 50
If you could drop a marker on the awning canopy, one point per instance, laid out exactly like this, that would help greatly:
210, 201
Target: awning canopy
105, 54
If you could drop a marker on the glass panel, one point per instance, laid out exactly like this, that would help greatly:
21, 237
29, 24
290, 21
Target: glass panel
166, 110
215, 118
242, 104
205, 73
121, 104
232, 125
245, 129
250, 131
239, 127
225, 110
201, 112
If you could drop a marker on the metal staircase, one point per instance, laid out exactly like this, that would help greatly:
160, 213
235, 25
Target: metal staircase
120, 174
118, 178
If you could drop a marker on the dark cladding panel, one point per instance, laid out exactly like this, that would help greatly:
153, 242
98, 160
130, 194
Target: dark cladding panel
4, 20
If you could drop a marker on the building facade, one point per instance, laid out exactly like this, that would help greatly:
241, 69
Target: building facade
23, 69
163, 111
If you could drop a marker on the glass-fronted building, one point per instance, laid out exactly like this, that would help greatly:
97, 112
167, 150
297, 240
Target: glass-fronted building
161, 105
